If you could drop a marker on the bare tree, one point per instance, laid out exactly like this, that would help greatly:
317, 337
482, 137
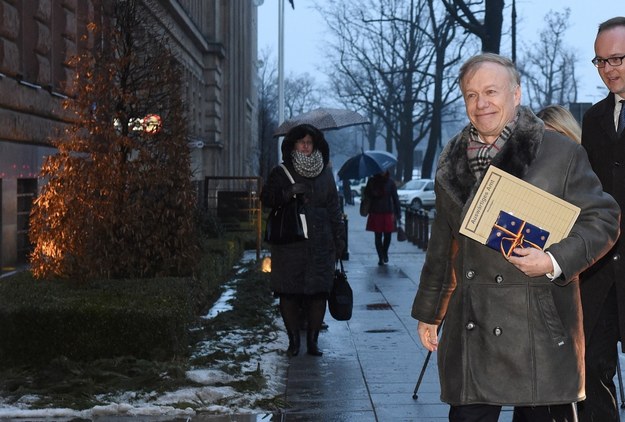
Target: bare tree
548, 67
301, 94
390, 59
484, 22
377, 66
442, 33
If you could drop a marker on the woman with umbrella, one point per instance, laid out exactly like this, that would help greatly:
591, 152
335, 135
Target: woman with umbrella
384, 212
302, 272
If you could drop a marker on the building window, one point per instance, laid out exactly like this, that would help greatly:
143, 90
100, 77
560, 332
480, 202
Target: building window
26, 191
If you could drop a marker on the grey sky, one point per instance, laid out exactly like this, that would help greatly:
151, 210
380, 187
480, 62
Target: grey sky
304, 35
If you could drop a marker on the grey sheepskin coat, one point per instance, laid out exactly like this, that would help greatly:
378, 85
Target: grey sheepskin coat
509, 339
307, 267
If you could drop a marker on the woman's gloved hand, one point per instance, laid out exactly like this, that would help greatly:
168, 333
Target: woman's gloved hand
294, 189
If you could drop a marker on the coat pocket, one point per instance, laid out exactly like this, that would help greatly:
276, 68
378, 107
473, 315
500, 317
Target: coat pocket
551, 317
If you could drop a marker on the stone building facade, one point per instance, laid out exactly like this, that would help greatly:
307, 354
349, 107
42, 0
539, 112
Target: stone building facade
215, 41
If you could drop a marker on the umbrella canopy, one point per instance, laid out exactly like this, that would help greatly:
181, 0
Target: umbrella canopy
323, 119
366, 164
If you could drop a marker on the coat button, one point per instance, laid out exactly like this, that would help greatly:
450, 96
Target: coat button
497, 331
616, 257
470, 274
470, 325
499, 278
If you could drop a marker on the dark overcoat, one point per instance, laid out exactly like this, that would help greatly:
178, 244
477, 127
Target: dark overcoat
509, 339
382, 191
306, 267
606, 153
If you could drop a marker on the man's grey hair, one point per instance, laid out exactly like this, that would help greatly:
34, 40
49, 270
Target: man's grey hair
470, 66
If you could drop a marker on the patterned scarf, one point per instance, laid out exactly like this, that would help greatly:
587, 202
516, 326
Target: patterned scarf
307, 166
480, 153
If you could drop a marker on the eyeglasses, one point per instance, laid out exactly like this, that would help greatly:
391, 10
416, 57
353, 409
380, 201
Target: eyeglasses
612, 61
312, 143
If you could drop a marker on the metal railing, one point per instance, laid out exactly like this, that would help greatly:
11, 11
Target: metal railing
417, 227
236, 202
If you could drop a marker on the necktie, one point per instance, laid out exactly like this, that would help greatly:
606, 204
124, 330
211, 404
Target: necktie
621, 119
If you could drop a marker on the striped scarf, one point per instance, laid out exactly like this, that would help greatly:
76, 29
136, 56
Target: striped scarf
480, 153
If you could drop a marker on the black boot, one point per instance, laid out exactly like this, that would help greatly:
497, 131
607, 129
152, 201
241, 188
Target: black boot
311, 343
379, 248
294, 343
385, 246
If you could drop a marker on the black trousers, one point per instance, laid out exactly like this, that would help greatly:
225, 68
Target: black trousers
490, 413
601, 404
382, 244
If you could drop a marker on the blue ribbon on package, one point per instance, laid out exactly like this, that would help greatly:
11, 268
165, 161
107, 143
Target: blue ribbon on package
511, 232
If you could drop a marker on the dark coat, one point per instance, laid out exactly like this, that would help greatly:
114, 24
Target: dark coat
606, 154
509, 339
382, 192
306, 267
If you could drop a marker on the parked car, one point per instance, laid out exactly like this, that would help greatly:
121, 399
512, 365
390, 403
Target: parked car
417, 194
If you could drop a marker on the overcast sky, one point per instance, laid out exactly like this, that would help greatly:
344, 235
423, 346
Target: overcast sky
305, 33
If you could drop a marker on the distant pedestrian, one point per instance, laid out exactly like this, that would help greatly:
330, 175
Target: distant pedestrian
561, 120
302, 273
347, 192
384, 212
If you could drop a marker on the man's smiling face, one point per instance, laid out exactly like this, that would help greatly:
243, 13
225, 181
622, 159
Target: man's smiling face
491, 97
611, 43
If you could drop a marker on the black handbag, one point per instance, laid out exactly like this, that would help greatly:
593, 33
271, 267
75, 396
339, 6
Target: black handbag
401, 233
365, 205
341, 300
286, 223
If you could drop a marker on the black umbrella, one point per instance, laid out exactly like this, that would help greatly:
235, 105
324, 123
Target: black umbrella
366, 164
323, 119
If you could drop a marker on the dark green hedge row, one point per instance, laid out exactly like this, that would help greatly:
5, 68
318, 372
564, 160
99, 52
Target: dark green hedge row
144, 318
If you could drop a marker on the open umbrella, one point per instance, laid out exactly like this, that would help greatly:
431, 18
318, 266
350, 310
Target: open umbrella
323, 119
366, 164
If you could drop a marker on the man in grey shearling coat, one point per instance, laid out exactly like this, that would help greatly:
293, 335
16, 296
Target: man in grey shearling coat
512, 331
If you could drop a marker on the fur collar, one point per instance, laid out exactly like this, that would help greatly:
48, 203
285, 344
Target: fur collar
453, 174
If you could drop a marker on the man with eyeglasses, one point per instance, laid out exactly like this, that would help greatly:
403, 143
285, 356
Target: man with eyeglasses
603, 285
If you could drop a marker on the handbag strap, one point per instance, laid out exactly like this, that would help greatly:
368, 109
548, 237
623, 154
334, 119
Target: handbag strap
288, 174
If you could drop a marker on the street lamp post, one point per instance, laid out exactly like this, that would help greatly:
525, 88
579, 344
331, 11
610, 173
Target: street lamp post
280, 72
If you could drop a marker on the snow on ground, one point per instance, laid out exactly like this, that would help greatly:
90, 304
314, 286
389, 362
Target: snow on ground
266, 358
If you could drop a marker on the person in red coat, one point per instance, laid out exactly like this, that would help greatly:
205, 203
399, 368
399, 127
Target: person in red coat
603, 285
384, 212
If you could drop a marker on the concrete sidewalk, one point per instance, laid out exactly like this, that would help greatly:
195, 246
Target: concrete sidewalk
371, 363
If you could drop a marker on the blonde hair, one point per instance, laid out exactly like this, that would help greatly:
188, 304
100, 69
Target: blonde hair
469, 67
561, 120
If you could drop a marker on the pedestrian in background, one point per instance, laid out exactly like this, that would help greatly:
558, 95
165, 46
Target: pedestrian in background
347, 192
513, 325
603, 285
302, 273
561, 120
384, 212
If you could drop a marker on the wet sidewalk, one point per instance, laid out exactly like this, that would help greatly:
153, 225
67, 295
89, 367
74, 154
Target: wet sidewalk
371, 364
